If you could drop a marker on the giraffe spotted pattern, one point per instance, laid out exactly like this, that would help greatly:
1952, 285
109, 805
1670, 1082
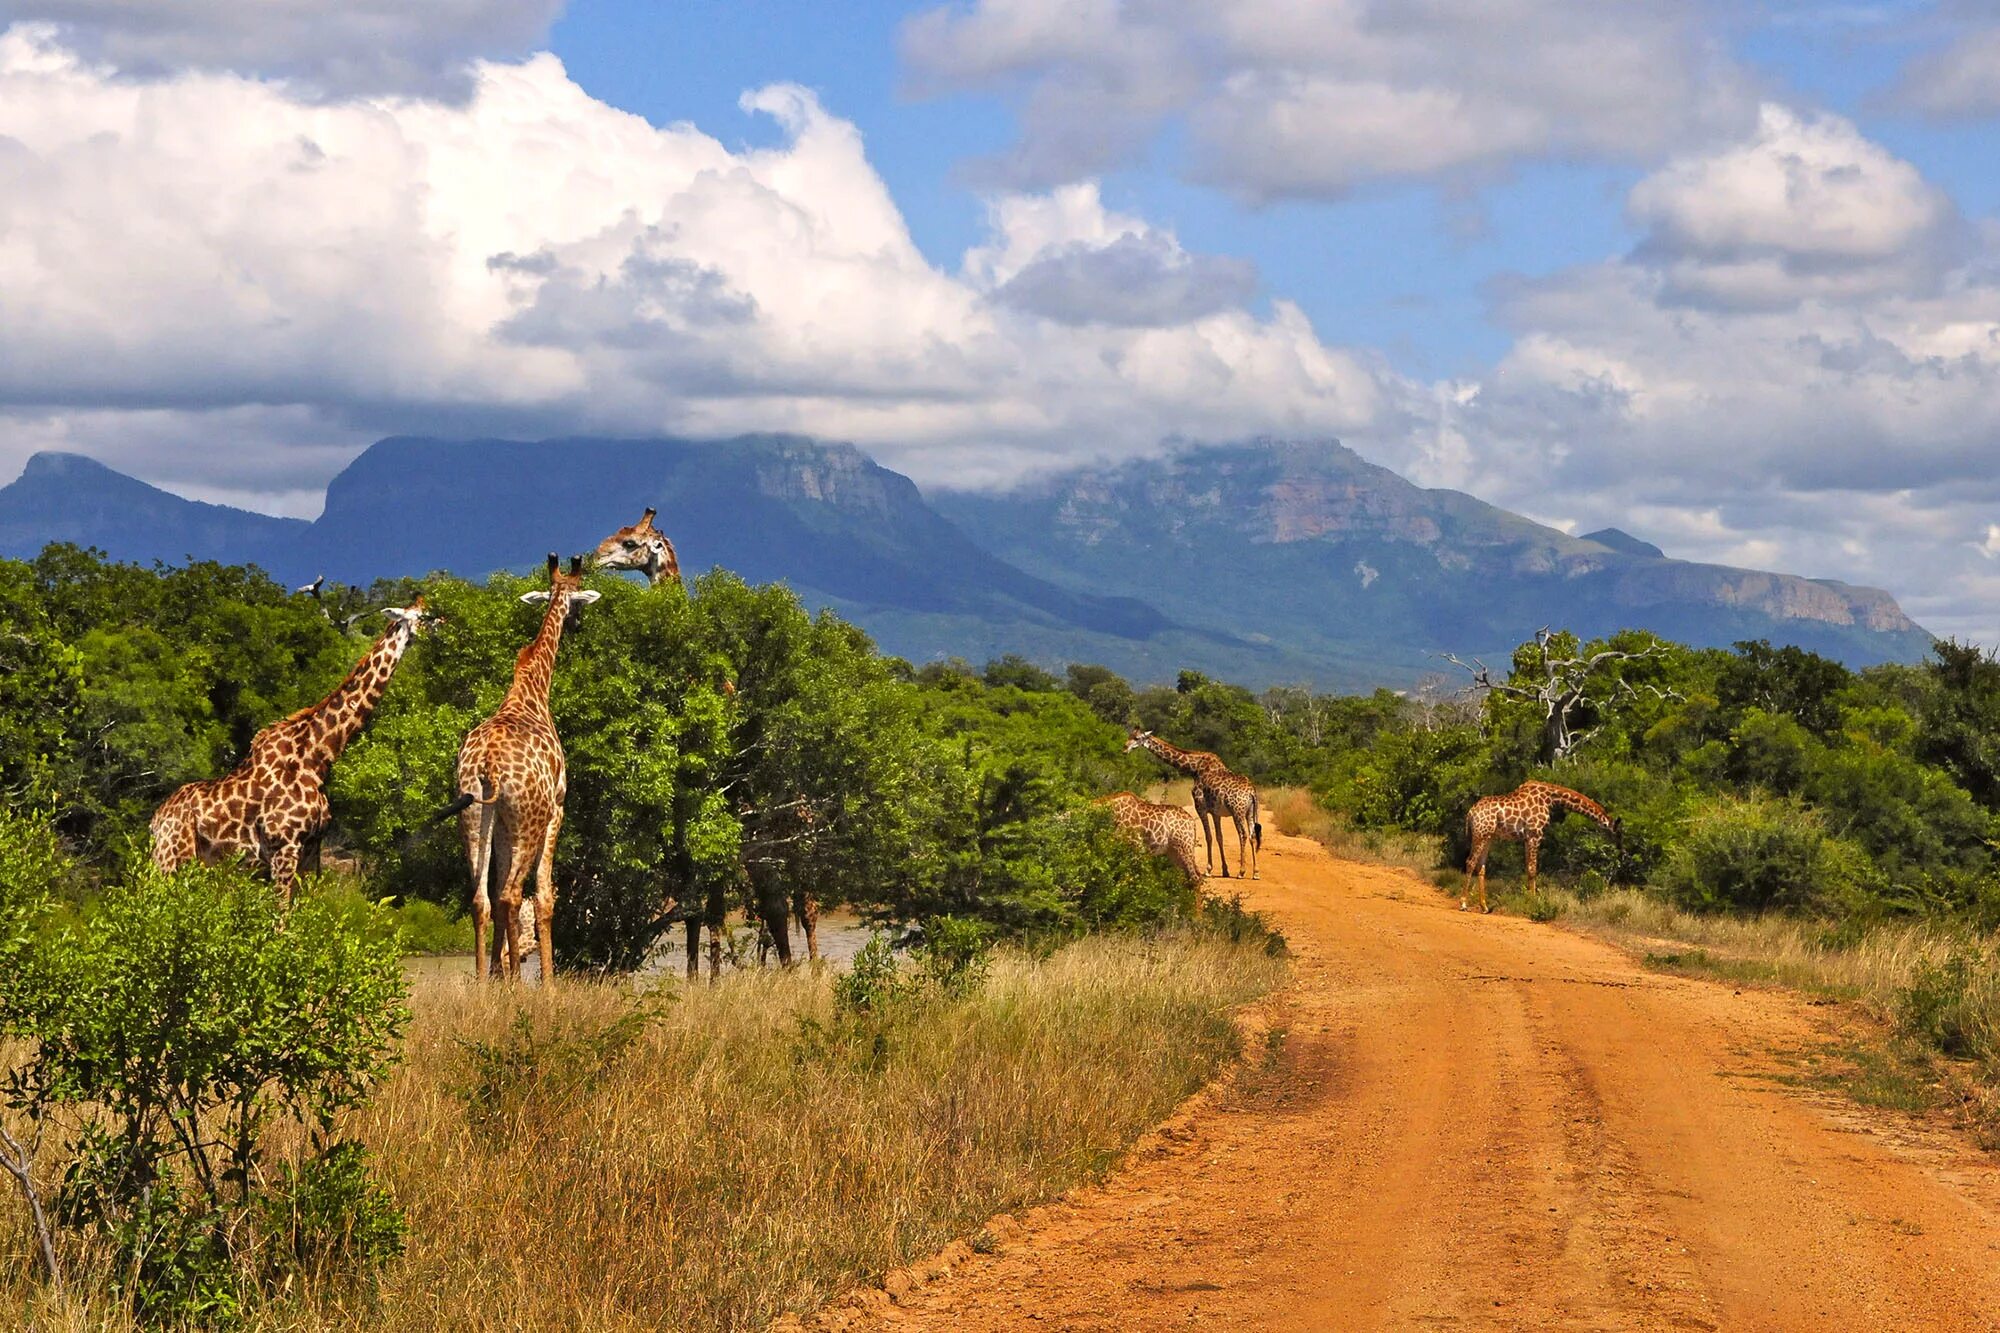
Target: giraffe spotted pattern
1522, 816
1164, 830
273, 806
1218, 790
512, 781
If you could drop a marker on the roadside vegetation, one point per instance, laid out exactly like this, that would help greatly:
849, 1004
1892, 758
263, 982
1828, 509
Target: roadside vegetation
213, 1121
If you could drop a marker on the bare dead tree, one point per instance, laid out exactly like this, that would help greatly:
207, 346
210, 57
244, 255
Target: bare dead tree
18, 1160
1562, 688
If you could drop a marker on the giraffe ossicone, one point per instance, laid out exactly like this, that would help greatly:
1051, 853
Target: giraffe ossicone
643, 547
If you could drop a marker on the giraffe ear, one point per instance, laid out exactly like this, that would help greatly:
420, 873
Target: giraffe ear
586, 597
538, 595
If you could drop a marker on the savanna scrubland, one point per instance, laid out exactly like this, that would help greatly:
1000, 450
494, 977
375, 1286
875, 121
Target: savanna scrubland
613, 1153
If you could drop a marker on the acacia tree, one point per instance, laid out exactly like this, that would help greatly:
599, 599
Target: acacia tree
1569, 691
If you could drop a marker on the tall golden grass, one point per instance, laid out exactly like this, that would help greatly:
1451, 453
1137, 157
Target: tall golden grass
711, 1157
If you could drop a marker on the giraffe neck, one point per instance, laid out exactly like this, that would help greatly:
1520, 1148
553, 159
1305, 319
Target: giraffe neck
536, 666
1583, 805
1184, 760
339, 718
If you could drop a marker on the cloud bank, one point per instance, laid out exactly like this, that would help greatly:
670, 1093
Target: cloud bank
533, 260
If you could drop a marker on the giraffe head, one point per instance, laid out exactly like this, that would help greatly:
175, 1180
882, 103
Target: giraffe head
416, 615
1136, 738
642, 547
565, 584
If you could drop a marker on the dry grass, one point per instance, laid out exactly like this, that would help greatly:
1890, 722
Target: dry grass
1932, 987
1294, 812
739, 1151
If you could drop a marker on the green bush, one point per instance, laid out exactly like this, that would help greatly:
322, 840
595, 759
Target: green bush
1950, 1003
1760, 853
186, 1001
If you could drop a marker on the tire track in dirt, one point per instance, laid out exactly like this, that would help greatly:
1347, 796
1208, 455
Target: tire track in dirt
1485, 1123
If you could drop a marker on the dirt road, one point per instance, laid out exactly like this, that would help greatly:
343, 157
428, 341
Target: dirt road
1480, 1122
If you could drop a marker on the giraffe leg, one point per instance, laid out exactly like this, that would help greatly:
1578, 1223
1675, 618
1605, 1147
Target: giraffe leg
545, 902
1474, 864
1533, 849
285, 869
807, 908
1215, 814
509, 869
1257, 839
476, 825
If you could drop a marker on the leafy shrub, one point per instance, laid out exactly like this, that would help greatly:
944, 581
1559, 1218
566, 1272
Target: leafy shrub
953, 953
1950, 1002
1230, 919
1750, 855
544, 1064
194, 1000
872, 983
326, 1215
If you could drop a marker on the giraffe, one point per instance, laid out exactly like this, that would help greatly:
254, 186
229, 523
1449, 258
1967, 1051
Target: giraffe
1164, 830
272, 806
1522, 815
642, 547
510, 788
1217, 790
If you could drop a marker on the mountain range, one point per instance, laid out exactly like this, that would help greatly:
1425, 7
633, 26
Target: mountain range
1260, 562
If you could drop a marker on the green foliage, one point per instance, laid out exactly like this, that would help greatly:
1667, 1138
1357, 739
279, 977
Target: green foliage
1759, 853
1959, 718
953, 953
1421, 780
171, 1027
545, 1063
1949, 1002
873, 983
325, 1216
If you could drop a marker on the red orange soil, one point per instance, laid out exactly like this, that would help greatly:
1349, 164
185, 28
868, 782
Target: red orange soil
1481, 1122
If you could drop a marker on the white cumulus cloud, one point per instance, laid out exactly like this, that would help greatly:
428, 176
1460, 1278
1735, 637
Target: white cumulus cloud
1289, 99
532, 260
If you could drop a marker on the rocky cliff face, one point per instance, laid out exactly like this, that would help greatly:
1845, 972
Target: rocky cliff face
1265, 562
1311, 544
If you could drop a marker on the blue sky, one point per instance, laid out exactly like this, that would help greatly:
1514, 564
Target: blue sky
1724, 275
1401, 267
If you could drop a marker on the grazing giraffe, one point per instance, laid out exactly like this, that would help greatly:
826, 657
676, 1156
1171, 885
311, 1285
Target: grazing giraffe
1164, 830
642, 547
1522, 815
272, 806
1217, 789
511, 783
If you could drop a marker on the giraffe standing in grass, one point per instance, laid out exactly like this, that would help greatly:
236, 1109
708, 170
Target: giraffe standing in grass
1164, 830
1522, 815
511, 783
1218, 789
273, 806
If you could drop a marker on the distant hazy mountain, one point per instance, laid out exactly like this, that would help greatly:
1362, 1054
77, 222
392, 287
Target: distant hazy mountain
1259, 563
1309, 546
70, 498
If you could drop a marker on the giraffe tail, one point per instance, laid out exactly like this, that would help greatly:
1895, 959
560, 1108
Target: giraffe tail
462, 801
